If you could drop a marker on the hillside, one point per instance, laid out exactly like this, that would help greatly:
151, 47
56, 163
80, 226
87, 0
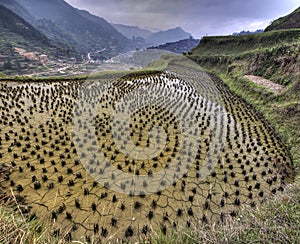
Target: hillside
46, 26
21, 45
291, 21
226, 45
86, 32
272, 55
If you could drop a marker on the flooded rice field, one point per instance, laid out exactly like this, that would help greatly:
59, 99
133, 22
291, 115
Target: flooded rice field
120, 158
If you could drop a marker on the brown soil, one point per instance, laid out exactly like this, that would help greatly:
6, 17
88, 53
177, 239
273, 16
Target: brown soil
265, 82
29, 55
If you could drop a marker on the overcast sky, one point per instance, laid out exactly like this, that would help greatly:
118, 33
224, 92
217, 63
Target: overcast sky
199, 17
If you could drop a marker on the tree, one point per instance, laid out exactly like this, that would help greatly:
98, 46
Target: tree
18, 65
7, 65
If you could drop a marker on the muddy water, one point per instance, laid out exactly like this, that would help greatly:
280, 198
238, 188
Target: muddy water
116, 159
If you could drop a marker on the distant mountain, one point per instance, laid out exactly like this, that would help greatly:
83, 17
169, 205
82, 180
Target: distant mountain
84, 31
170, 35
132, 31
291, 21
148, 38
178, 47
242, 33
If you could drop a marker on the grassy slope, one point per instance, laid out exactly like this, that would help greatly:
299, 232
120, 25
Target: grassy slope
287, 22
278, 61
234, 45
273, 55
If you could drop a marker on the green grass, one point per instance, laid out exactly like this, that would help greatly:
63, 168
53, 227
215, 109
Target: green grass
278, 221
278, 63
15, 227
233, 45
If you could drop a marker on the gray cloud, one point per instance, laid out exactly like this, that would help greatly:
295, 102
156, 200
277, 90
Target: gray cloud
199, 17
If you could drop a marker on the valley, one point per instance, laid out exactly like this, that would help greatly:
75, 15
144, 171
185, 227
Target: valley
111, 133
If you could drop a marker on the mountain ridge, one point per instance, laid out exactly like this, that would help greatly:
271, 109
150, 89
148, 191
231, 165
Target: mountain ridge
18, 9
15, 23
46, 26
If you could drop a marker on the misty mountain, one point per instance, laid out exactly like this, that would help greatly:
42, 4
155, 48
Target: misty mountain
170, 35
46, 26
84, 31
19, 10
12, 23
132, 31
151, 37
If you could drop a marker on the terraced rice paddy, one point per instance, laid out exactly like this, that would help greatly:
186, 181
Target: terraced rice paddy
117, 159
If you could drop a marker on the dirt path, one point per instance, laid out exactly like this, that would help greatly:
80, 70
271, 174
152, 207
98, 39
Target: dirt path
265, 82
